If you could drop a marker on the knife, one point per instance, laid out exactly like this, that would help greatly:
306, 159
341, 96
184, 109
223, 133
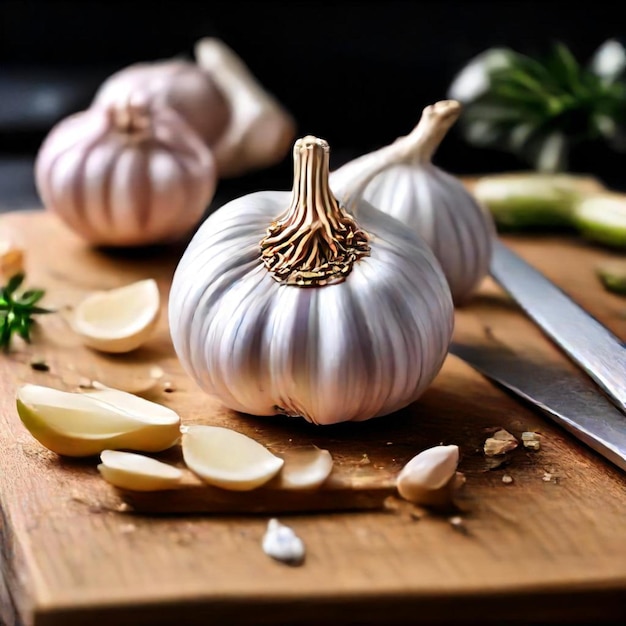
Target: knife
583, 338
568, 397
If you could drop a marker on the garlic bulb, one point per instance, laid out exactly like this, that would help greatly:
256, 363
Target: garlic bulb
127, 175
283, 303
400, 179
178, 84
261, 130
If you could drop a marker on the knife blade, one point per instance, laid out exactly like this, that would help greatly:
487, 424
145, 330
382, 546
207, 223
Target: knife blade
568, 397
592, 346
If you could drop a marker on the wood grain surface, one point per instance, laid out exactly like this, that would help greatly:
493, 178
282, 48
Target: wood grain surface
548, 547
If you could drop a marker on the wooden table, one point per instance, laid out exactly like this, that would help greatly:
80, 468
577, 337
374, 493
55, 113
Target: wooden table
549, 547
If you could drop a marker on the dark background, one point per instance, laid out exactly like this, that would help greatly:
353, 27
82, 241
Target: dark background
355, 73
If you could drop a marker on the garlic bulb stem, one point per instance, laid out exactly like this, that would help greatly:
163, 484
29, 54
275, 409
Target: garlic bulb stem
132, 119
418, 146
315, 242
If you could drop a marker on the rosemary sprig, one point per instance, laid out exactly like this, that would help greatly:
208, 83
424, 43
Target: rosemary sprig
17, 309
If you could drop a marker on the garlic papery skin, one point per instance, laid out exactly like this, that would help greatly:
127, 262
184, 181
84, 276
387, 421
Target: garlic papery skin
177, 84
260, 131
284, 303
85, 424
426, 477
401, 180
126, 176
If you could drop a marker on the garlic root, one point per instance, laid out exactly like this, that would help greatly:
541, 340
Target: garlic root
260, 131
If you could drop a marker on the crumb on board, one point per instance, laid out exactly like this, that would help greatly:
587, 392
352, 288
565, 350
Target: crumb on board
531, 440
499, 443
507, 479
458, 524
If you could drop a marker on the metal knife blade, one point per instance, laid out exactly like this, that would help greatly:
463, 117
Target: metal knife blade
582, 337
572, 400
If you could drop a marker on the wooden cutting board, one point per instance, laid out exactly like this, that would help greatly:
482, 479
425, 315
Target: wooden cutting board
548, 547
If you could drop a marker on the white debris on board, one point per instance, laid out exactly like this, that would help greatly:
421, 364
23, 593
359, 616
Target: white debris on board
281, 543
507, 479
531, 440
500, 442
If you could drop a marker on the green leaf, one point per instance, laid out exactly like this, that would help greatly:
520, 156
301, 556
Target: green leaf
14, 284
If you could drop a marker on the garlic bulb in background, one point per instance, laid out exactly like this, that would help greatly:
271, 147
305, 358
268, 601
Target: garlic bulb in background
400, 179
260, 131
283, 303
126, 175
177, 84
245, 127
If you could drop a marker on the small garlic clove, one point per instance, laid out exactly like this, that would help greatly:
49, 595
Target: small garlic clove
85, 424
305, 468
428, 475
282, 544
118, 320
227, 458
137, 472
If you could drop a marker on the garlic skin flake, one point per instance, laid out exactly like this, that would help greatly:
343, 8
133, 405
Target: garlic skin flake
137, 472
401, 180
286, 303
85, 424
282, 544
228, 459
427, 473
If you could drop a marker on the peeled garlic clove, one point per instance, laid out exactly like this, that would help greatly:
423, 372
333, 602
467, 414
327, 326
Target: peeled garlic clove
427, 473
305, 468
85, 424
228, 459
118, 320
137, 472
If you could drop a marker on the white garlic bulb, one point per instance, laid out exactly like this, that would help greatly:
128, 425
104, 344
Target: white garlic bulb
283, 303
402, 180
178, 84
128, 175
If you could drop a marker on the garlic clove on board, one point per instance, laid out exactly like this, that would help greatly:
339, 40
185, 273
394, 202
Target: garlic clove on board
401, 180
137, 472
430, 476
304, 468
261, 130
228, 459
85, 424
118, 320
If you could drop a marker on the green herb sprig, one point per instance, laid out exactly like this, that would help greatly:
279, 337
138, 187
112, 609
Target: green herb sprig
541, 108
17, 309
